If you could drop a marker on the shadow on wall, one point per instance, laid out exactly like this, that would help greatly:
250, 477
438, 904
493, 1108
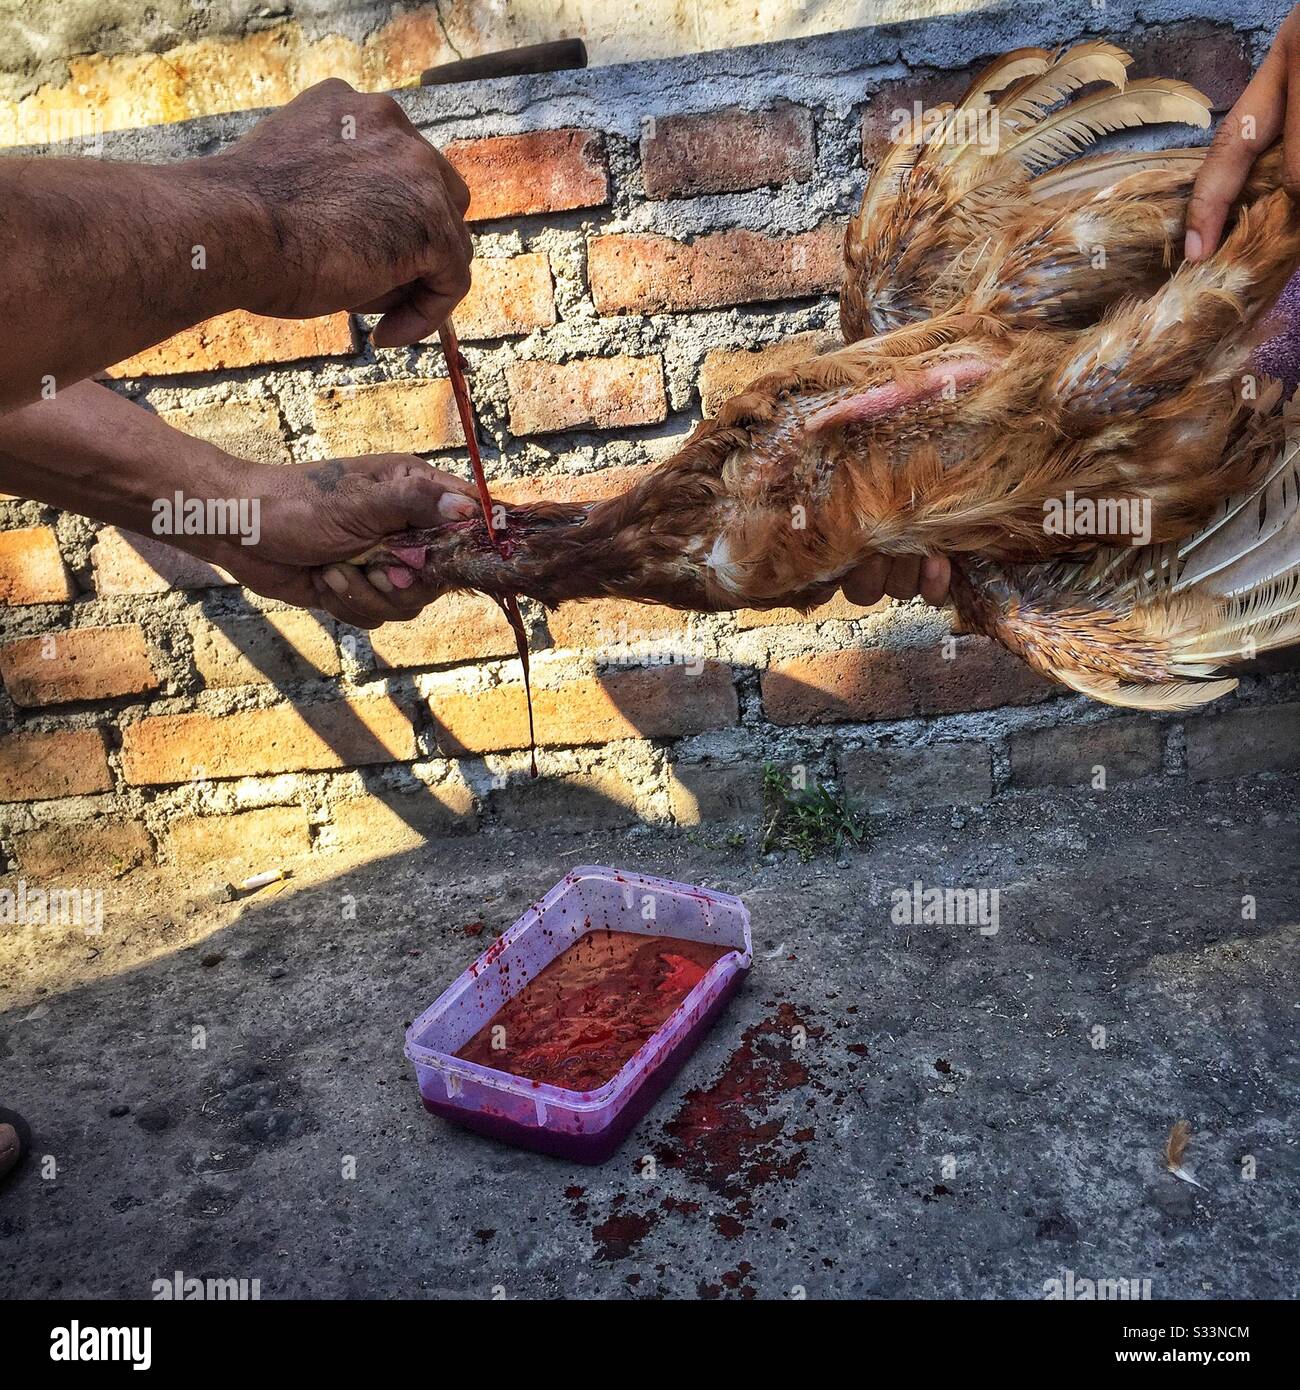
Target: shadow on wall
652, 683
643, 698
659, 691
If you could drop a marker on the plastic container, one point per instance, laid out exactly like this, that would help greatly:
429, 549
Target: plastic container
583, 1125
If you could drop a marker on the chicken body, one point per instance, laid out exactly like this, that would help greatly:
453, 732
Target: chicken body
1021, 350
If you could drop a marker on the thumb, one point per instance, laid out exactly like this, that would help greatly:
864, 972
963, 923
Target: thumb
418, 500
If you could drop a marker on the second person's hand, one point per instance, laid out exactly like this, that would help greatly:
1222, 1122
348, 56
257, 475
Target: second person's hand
1268, 108
901, 577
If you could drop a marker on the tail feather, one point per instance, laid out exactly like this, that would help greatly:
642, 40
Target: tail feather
1153, 628
1015, 66
1257, 539
963, 178
1086, 63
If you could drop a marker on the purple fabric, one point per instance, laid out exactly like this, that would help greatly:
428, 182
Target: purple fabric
1280, 356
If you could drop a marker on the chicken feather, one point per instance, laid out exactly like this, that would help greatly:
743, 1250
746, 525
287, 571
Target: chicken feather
1014, 335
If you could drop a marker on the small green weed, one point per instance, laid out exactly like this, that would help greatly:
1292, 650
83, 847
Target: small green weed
810, 822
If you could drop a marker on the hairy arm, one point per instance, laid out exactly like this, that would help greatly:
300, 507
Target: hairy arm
101, 260
333, 202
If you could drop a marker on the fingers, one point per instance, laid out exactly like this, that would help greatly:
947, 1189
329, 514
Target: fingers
425, 306
936, 576
901, 577
360, 597
904, 577
415, 319
413, 498
866, 585
456, 186
1291, 131
1244, 134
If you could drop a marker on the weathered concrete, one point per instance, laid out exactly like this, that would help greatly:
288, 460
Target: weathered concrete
954, 1126
226, 53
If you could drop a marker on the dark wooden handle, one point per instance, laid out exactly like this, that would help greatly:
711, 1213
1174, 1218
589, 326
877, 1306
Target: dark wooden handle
511, 62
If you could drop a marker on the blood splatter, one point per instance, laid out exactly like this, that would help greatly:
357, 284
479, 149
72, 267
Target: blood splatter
732, 1136
618, 1237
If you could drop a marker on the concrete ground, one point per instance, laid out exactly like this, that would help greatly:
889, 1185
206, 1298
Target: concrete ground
953, 1124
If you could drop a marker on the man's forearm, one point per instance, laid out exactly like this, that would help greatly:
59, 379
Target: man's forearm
89, 451
102, 260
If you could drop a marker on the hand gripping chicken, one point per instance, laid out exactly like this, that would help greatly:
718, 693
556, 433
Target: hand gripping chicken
1020, 351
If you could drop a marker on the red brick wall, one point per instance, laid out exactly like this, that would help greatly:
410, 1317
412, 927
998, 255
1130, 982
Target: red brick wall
159, 711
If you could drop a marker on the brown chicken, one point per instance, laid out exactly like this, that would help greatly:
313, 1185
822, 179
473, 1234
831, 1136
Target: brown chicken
1031, 382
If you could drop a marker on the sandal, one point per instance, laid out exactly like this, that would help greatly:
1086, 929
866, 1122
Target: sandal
15, 1143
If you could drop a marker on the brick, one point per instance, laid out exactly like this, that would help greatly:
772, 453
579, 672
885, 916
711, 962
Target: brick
251, 743
1243, 741
1212, 57
84, 663
903, 683
603, 796
642, 273
607, 622
726, 151
458, 627
127, 563
31, 568
701, 792
261, 839
572, 487
726, 372
658, 702
896, 103
981, 674
110, 847
248, 429
540, 171
391, 822
41, 766
389, 417
272, 648
242, 340
837, 609
510, 295
1066, 756
912, 779
593, 392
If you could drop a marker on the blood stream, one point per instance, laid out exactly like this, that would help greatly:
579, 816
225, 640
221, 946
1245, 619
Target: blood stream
510, 604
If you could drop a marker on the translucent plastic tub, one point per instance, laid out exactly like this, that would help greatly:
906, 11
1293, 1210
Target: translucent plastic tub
584, 1125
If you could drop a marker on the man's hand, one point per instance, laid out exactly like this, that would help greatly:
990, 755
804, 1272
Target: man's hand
335, 202
315, 517
900, 576
1269, 107
361, 213
91, 451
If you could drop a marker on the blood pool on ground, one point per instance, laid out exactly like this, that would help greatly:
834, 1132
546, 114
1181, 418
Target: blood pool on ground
592, 1008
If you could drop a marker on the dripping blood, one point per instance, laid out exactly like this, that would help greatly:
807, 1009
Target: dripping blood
510, 604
